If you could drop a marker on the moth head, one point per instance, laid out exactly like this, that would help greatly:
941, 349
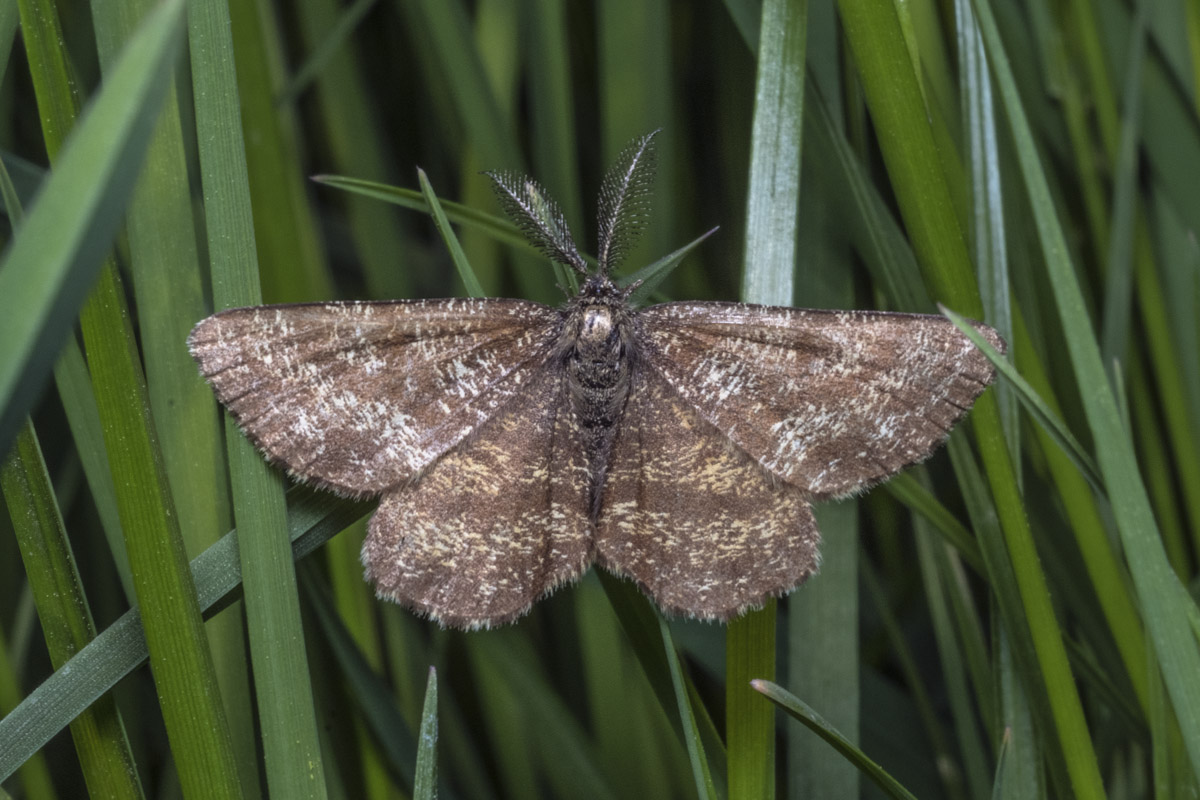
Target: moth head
624, 207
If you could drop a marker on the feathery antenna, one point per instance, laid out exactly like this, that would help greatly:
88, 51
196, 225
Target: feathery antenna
625, 201
538, 216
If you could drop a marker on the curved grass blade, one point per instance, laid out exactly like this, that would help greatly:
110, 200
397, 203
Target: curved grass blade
497, 227
313, 519
53, 261
798, 709
1164, 603
474, 289
1033, 403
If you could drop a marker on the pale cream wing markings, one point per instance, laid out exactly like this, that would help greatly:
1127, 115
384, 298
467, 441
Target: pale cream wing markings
830, 401
358, 397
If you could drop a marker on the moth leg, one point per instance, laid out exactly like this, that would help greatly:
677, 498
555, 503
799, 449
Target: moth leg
493, 525
698, 524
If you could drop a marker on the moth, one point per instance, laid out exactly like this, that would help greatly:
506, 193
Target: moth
513, 444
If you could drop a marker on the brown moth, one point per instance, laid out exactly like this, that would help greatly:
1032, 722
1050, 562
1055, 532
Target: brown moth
514, 444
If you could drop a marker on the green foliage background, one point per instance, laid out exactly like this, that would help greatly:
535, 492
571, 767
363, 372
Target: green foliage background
1014, 618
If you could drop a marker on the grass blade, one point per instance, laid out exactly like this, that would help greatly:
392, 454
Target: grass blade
425, 777
798, 709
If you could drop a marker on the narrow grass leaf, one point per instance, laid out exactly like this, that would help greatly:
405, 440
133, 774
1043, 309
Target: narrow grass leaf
99, 733
425, 776
705, 787
283, 690
474, 289
811, 719
1050, 422
1164, 607
116, 651
768, 271
47, 271
652, 275
495, 226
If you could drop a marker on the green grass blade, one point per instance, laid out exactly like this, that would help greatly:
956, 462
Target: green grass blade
48, 269
104, 754
495, 226
474, 289
291, 261
312, 520
283, 690
425, 777
1033, 403
767, 277
798, 709
1164, 605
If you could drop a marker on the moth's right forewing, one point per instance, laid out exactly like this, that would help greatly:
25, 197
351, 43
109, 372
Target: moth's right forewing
359, 397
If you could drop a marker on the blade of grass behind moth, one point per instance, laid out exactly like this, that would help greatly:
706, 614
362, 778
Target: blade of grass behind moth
1164, 603
801, 711
976, 762
313, 518
451, 241
692, 724
282, 688
633, 63
986, 204
165, 267
33, 776
926, 202
652, 275
292, 266
562, 749
52, 263
75, 393
493, 225
352, 131
772, 204
425, 774
544, 45
99, 734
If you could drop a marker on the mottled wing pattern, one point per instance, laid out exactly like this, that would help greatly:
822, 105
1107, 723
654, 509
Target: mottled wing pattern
829, 401
358, 397
701, 527
495, 523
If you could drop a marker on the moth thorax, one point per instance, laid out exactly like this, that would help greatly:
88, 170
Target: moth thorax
598, 338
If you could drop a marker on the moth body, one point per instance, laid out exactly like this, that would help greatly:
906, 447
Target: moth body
598, 342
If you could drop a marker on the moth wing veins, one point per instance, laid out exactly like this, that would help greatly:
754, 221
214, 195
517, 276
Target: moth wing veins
494, 524
699, 525
358, 397
831, 402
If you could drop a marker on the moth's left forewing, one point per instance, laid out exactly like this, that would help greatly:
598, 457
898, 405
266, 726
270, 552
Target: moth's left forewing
829, 401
